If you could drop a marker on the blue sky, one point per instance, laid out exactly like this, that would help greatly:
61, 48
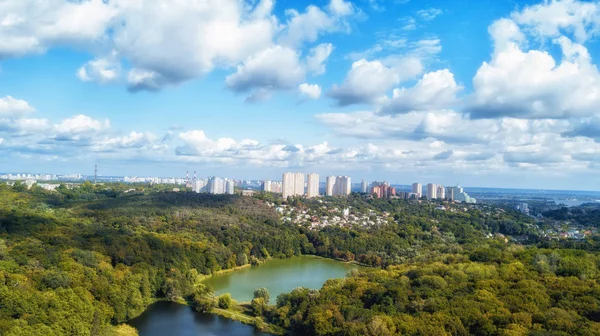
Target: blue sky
486, 93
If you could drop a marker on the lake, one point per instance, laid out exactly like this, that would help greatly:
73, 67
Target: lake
173, 319
278, 276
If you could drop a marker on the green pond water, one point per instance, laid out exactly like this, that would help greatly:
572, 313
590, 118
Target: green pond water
278, 276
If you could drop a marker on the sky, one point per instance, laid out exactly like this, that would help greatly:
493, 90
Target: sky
495, 93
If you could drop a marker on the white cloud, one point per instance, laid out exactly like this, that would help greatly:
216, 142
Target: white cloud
317, 57
409, 23
271, 69
141, 79
341, 7
102, 70
532, 85
308, 26
429, 14
165, 42
11, 107
81, 124
312, 91
33, 26
369, 81
436, 90
505, 33
190, 38
134, 140
553, 18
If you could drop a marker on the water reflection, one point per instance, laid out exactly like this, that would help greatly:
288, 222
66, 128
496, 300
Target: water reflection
172, 319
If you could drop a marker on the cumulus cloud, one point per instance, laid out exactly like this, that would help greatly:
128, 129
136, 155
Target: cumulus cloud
530, 84
81, 124
308, 26
64, 22
369, 81
12, 107
134, 140
312, 91
273, 68
193, 38
552, 18
101, 70
341, 7
163, 48
315, 61
436, 90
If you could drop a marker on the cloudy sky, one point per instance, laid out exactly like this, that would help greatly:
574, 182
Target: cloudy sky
498, 93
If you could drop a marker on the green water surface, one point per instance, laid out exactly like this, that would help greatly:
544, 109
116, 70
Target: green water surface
278, 276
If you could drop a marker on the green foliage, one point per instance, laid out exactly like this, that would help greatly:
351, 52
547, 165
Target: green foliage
258, 305
83, 261
262, 293
202, 300
225, 301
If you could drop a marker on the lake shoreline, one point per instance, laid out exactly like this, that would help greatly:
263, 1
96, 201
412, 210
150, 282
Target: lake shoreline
239, 312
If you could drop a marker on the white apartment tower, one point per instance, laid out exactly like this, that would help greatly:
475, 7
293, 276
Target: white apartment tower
216, 186
431, 191
230, 187
293, 184
364, 186
299, 184
417, 189
312, 186
267, 186
342, 186
449, 194
441, 192
330, 185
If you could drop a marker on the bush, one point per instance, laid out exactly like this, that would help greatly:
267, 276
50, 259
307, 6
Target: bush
225, 301
262, 293
258, 306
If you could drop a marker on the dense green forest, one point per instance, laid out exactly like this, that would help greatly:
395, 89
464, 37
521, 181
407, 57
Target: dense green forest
84, 261
587, 215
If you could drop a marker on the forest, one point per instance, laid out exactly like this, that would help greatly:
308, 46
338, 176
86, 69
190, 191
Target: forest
84, 261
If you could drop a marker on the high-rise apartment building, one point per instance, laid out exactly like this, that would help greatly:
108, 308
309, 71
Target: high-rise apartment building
342, 186
330, 185
299, 184
383, 190
230, 187
276, 187
289, 184
216, 186
417, 189
293, 184
431, 191
461, 196
364, 186
312, 186
267, 186
441, 192
449, 194
200, 186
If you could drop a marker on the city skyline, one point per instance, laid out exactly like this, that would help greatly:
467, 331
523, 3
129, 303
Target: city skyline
398, 90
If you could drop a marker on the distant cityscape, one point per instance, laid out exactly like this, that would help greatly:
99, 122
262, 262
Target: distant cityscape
292, 184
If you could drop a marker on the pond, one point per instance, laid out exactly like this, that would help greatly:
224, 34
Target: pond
173, 319
278, 276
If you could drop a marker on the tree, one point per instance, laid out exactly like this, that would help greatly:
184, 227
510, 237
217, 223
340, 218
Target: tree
262, 293
258, 306
242, 259
225, 301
